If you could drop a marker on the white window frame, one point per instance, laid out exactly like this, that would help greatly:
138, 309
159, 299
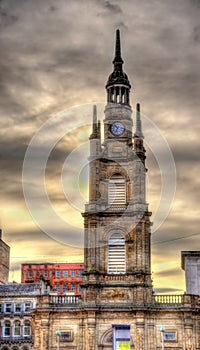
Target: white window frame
73, 273
167, 333
65, 273
57, 273
14, 329
4, 328
25, 326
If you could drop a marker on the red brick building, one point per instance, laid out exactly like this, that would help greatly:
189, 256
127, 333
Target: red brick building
63, 277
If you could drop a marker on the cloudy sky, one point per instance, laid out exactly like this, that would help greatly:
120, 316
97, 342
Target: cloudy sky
54, 62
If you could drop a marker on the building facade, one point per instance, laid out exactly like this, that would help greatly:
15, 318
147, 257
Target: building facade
118, 308
62, 278
16, 321
4, 260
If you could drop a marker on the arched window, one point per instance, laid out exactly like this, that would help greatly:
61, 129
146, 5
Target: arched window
117, 190
16, 329
27, 329
7, 329
116, 254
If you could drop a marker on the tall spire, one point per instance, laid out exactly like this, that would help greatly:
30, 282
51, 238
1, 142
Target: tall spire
118, 85
138, 132
118, 58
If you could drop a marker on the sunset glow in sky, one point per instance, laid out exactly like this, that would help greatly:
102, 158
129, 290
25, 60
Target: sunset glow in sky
55, 60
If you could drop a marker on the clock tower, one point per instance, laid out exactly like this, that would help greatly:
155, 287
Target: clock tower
116, 218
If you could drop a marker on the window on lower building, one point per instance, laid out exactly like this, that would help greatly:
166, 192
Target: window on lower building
80, 273
16, 329
8, 308
73, 288
34, 273
65, 273
79, 289
50, 273
169, 336
27, 329
64, 288
45, 273
17, 307
66, 336
73, 273
58, 273
7, 329
116, 254
58, 287
29, 273
27, 307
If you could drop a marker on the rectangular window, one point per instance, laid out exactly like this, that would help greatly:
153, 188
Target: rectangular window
80, 273
65, 273
17, 307
34, 273
79, 289
58, 287
8, 308
27, 307
73, 288
73, 273
45, 273
50, 273
58, 273
64, 288
116, 255
7, 329
66, 337
29, 273
116, 191
169, 336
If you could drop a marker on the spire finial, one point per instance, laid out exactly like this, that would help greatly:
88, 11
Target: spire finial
118, 58
138, 132
94, 134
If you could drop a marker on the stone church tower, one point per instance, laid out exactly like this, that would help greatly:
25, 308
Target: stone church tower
117, 220
118, 309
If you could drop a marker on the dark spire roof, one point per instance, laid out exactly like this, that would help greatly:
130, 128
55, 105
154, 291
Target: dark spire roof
118, 58
118, 76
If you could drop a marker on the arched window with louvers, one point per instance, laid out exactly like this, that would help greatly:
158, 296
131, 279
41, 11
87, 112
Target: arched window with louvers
116, 254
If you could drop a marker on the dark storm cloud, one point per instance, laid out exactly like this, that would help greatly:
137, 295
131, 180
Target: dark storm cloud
112, 8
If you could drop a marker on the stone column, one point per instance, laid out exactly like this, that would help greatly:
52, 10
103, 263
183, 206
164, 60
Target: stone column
91, 330
188, 331
140, 332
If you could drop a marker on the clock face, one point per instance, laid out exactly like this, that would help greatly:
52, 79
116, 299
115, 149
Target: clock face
117, 128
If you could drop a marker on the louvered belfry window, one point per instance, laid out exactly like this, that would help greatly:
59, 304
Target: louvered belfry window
116, 254
116, 190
